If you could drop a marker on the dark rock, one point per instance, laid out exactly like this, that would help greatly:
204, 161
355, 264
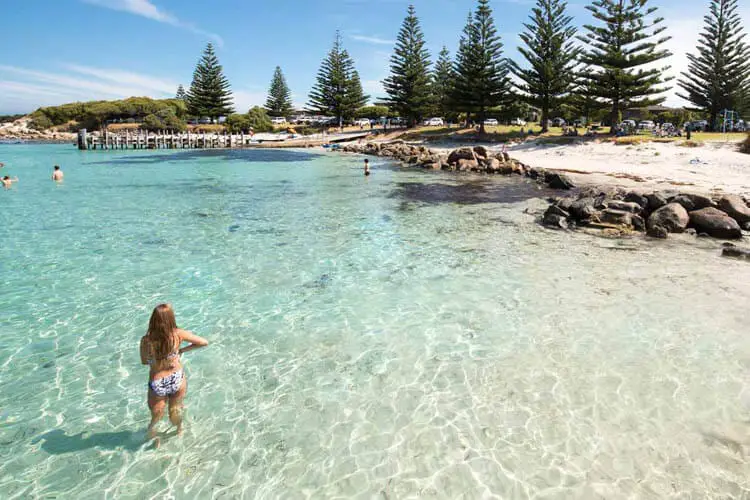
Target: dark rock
625, 206
684, 202
616, 217
736, 252
746, 226
673, 217
557, 180
656, 200
735, 207
582, 208
505, 169
564, 203
691, 231
536, 173
693, 201
555, 220
715, 223
461, 154
634, 197
638, 223
491, 164
704, 235
464, 164
555, 209
481, 151
657, 232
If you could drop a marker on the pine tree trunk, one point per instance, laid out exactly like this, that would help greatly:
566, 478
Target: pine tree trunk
712, 119
545, 119
614, 116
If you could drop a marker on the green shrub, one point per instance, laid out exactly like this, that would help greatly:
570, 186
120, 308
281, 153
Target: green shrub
259, 120
238, 123
152, 123
40, 121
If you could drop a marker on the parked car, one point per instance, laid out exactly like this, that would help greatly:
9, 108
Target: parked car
628, 124
205, 121
559, 122
518, 121
577, 123
362, 122
490, 122
278, 120
435, 122
646, 125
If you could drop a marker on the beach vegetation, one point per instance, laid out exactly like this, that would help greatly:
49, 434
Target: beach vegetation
255, 120
623, 50
95, 114
481, 72
337, 90
164, 119
408, 86
551, 56
279, 101
718, 73
210, 93
373, 112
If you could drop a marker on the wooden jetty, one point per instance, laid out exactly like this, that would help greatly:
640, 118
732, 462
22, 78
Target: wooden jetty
189, 140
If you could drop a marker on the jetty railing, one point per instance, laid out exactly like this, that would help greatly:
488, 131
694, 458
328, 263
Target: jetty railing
191, 140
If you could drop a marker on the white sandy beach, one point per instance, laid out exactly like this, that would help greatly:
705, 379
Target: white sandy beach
713, 168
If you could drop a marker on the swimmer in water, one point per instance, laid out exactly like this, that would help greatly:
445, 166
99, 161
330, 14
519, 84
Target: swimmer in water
367, 167
160, 349
57, 175
7, 181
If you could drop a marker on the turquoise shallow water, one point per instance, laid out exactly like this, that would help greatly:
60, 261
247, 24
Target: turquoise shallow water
401, 336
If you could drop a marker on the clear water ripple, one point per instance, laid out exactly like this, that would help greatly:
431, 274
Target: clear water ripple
411, 334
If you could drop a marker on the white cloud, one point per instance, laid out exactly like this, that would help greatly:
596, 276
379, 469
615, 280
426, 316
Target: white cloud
145, 8
373, 88
246, 99
26, 89
372, 39
126, 78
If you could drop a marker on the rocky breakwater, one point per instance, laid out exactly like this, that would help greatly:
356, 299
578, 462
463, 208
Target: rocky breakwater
477, 159
657, 214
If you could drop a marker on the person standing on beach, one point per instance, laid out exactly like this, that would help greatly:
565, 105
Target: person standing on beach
57, 174
160, 349
7, 181
367, 167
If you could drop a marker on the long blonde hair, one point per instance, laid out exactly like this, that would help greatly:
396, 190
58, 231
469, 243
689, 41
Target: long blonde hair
162, 331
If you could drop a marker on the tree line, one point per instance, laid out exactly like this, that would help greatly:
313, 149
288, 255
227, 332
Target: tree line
617, 62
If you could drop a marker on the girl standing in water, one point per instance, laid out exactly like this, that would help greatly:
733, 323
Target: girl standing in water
160, 348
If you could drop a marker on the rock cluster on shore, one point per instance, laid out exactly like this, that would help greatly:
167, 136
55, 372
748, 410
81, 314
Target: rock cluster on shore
477, 159
612, 209
658, 213
20, 130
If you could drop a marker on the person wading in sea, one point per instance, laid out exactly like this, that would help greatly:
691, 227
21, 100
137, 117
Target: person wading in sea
367, 167
7, 181
57, 175
160, 349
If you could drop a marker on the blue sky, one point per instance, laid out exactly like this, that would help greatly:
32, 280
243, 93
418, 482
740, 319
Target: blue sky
57, 51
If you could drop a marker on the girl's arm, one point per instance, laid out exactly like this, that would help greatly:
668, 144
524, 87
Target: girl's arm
195, 341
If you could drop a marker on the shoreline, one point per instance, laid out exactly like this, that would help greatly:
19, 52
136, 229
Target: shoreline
608, 205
